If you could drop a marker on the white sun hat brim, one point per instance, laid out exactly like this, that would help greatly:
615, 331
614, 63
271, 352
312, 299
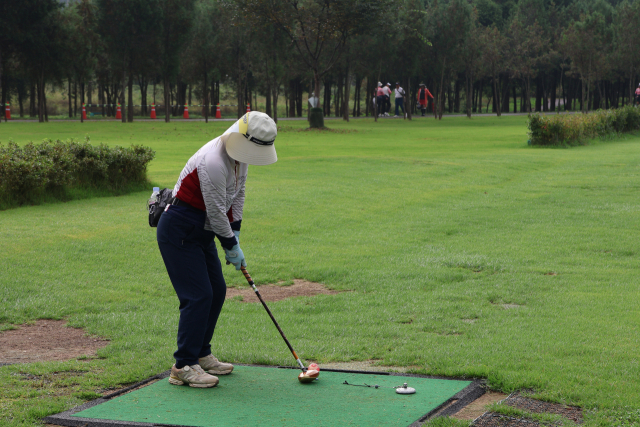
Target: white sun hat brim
254, 147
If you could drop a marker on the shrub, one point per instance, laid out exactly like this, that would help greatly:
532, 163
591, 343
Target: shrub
576, 129
34, 172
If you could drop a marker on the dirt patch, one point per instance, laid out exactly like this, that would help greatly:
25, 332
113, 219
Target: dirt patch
572, 413
478, 406
47, 340
491, 419
300, 288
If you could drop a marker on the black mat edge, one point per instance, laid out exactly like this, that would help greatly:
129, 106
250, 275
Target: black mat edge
464, 397
65, 418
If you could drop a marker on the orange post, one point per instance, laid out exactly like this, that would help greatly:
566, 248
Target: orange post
248, 107
185, 115
218, 113
7, 112
119, 112
153, 111
84, 111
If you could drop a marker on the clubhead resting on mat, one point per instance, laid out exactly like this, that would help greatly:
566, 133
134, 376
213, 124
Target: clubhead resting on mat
310, 374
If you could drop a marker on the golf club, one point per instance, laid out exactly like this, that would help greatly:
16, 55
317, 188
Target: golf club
307, 375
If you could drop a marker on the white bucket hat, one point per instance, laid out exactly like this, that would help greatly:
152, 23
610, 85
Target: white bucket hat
251, 139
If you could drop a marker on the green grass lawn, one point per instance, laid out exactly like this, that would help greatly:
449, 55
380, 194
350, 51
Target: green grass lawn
466, 253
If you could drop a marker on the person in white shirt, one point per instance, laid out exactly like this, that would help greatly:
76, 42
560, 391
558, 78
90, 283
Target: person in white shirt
399, 99
386, 89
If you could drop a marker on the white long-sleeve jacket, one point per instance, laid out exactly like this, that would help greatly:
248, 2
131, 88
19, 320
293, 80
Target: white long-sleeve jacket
214, 182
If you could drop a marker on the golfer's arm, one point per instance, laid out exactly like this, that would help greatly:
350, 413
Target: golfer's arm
213, 187
236, 210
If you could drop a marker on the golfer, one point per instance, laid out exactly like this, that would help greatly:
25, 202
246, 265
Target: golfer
638, 94
423, 98
387, 103
399, 92
380, 100
207, 202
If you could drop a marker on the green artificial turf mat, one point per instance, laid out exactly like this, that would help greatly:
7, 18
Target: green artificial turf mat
269, 396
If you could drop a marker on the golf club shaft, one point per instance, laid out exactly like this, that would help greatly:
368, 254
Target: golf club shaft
250, 280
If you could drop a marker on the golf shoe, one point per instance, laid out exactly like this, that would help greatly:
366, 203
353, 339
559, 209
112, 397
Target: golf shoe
215, 367
192, 375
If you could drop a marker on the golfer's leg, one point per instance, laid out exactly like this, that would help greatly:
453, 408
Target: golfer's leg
397, 107
219, 292
187, 268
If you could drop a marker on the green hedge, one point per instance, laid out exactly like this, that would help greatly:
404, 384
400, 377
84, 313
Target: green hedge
577, 129
54, 169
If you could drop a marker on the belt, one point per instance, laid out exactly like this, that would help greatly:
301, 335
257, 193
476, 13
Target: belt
177, 202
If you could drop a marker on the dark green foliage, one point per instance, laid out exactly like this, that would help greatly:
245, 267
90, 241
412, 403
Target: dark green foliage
316, 118
577, 129
35, 172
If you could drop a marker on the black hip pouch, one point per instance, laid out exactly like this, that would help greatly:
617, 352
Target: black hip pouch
158, 207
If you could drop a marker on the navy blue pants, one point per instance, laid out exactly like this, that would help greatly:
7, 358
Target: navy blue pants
399, 104
191, 258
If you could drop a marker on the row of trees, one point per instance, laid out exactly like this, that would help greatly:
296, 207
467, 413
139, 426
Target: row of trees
521, 55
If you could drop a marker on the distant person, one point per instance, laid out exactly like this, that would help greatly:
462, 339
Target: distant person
638, 95
387, 98
399, 93
208, 202
423, 98
380, 100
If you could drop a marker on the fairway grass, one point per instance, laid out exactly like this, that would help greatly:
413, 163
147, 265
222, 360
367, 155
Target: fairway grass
466, 253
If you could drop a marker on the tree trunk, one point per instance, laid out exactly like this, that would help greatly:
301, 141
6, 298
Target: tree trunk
21, 95
82, 101
32, 100
143, 84
44, 100
553, 88
240, 97
275, 91
505, 95
497, 97
630, 83
205, 93
538, 95
347, 89
327, 97
407, 98
130, 99
40, 114
316, 90
70, 108
101, 99
468, 92
167, 100
268, 102
122, 97
3, 98
440, 102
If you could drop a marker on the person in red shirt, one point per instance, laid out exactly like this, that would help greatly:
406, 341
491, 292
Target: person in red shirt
423, 98
638, 94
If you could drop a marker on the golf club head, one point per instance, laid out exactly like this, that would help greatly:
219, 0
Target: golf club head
310, 374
